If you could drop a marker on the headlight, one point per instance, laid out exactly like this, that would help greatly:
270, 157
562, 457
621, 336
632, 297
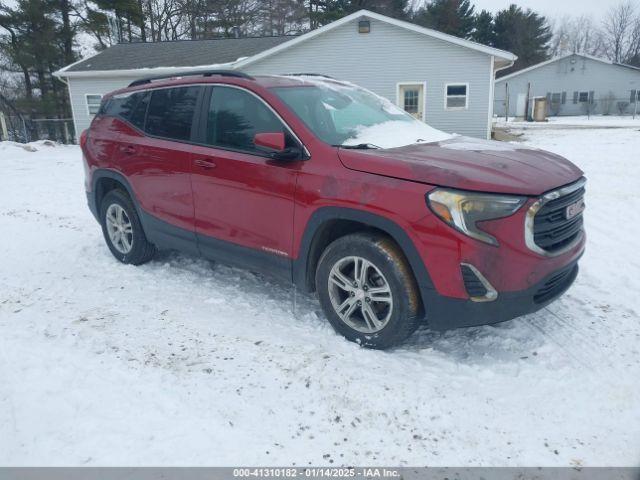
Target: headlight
463, 210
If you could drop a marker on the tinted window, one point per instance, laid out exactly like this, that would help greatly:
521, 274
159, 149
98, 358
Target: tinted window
235, 116
170, 112
131, 107
138, 113
121, 105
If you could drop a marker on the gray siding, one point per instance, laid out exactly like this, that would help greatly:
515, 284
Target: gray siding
378, 61
80, 87
390, 55
571, 74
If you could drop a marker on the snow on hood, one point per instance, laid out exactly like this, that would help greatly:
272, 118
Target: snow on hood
479, 145
389, 134
398, 134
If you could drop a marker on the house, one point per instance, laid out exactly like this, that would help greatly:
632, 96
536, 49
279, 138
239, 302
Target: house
574, 84
441, 79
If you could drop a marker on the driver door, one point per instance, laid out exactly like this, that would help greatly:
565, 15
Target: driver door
243, 199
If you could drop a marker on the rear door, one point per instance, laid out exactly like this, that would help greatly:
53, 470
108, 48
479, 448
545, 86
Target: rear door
243, 199
155, 156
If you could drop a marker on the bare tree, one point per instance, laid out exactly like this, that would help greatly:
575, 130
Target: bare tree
618, 27
576, 35
633, 53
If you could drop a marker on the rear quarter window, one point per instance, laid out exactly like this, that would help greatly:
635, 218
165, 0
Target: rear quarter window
170, 112
131, 107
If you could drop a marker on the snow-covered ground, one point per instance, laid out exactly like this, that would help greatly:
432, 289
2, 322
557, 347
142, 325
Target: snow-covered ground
582, 121
182, 362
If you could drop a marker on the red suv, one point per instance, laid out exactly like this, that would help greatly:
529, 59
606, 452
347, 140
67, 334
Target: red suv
336, 189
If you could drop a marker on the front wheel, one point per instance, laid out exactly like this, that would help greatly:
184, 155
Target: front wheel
122, 229
367, 290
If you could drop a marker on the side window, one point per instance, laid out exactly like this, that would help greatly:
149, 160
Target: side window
170, 112
131, 107
235, 116
140, 110
121, 105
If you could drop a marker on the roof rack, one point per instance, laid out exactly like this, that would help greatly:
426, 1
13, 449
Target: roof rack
307, 75
204, 73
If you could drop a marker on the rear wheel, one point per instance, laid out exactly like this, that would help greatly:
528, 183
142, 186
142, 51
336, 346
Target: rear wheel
367, 290
122, 229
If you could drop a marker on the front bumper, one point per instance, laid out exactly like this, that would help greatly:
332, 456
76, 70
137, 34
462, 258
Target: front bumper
444, 313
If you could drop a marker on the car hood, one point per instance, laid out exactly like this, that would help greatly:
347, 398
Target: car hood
469, 164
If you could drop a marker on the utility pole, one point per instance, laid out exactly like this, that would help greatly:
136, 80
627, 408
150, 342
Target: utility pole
526, 103
506, 96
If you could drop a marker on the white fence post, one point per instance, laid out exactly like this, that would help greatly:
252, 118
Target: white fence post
4, 135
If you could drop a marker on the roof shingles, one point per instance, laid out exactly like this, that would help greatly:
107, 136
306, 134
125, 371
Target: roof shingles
181, 53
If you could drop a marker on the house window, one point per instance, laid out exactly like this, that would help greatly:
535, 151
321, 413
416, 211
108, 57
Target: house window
456, 97
93, 103
411, 99
583, 97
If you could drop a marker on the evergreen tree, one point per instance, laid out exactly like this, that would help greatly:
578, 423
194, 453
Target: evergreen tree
33, 36
322, 12
483, 28
128, 18
455, 17
524, 33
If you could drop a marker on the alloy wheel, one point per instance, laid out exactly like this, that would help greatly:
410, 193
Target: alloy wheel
119, 228
360, 294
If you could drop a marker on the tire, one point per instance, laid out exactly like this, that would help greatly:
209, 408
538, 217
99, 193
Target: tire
129, 244
389, 291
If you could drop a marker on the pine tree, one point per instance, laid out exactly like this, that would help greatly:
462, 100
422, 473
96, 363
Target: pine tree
524, 33
128, 17
455, 17
322, 12
36, 37
483, 28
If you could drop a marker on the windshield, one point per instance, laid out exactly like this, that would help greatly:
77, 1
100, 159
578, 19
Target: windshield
345, 115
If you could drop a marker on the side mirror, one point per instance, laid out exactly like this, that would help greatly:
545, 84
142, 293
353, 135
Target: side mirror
270, 141
276, 145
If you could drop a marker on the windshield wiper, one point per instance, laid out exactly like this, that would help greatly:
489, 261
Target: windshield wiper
359, 146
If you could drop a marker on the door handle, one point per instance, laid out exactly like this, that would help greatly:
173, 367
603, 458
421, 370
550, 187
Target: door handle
206, 164
128, 149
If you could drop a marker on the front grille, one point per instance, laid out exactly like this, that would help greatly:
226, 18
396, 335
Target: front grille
556, 284
472, 283
551, 229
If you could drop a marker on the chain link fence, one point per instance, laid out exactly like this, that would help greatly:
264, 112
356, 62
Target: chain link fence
19, 128
612, 106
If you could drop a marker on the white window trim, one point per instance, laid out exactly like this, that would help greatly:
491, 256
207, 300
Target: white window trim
424, 96
86, 101
466, 97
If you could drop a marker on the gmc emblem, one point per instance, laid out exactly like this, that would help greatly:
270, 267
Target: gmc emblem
574, 209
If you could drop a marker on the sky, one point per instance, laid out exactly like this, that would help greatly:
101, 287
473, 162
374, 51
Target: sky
552, 8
